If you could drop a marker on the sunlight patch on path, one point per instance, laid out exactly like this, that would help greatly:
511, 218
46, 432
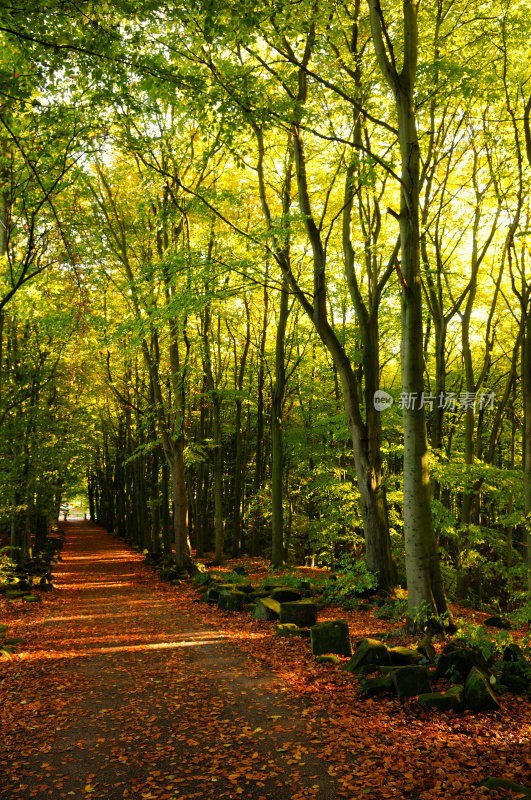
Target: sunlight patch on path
130, 648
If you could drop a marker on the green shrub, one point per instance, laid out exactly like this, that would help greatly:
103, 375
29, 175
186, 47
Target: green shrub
521, 616
490, 644
351, 581
393, 609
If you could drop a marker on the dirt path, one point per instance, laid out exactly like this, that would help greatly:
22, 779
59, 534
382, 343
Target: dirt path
129, 688
120, 695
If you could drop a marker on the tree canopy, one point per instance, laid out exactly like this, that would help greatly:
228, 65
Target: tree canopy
265, 283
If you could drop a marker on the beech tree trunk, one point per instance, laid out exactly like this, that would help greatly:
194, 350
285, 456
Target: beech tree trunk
526, 387
238, 448
277, 449
256, 514
425, 589
216, 428
180, 507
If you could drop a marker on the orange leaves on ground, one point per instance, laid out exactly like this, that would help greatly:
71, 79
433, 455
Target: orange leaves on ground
129, 688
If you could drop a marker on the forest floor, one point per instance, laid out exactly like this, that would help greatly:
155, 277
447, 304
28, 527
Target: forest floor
127, 687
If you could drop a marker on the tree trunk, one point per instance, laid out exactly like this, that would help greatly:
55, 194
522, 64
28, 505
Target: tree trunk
425, 589
238, 448
218, 481
200, 493
216, 428
256, 515
166, 522
180, 508
526, 388
277, 449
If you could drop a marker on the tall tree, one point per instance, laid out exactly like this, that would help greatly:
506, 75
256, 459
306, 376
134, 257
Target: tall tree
425, 588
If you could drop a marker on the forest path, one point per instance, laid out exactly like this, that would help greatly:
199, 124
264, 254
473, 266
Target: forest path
121, 695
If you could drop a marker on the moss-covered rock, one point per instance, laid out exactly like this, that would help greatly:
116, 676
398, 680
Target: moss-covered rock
410, 681
367, 669
288, 582
272, 584
331, 637
457, 691
516, 676
452, 700
267, 608
202, 580
285, 594
32, 598
231, 600
288, 629
513, 652
426, 649
300, 612
211, 595
213, 592
369, 652
478, 692
375, 686
505, 783
19, 583
329, 659
237, 582
497, 622
15, 594
456, 661
404, 656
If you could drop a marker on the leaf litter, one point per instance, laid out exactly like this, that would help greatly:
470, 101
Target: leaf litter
126, 687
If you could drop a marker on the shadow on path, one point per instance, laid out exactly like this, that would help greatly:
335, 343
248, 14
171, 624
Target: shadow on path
121, 695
